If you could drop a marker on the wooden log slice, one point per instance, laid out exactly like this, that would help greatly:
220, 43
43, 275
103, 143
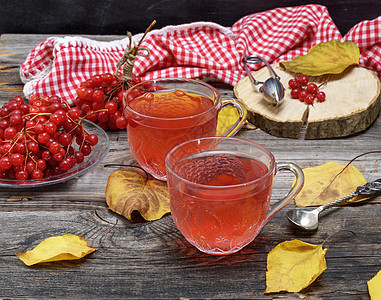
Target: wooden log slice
352, 104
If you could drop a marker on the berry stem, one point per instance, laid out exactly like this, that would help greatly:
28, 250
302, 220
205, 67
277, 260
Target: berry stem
321, 84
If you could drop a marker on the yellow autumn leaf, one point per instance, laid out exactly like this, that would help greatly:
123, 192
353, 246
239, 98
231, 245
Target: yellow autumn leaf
331, 57
227, 117
328, 182
129, 191
64, 247
294, 265
374, 287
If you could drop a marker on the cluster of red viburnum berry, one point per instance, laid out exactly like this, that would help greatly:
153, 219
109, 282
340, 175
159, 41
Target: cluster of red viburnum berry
100, 98
304, 90
43, 138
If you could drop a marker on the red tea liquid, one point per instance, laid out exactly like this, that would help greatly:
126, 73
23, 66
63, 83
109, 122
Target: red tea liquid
161, 120
226, 210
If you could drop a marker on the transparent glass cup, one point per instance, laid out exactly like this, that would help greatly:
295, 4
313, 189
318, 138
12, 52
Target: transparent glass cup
220, 190
151, 137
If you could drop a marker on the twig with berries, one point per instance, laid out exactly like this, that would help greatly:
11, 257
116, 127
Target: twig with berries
106, 91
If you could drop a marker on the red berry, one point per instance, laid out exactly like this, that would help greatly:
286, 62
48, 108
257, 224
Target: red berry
30, 166
309, 99
81, 92
20, 147
92, 139
37, 174
9, 133
121, 122
121, 95
293, 84
65, 139
41, 164
107, 79
103, 116
302, 95
58, 156
46, 155
295, 93
111, 107
312, 88
79, 157
50, 127
320, 96
298, 79
74, 113
17, 159
56, 118
98, 96
54, 147
65, 164
55, 106
88, 94
85, 149
22, 175
5, 163
304, 80
33, 146
16, 119
97, 80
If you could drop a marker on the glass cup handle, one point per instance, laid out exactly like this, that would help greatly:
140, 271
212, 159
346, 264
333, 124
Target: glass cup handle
295, 189
242, 115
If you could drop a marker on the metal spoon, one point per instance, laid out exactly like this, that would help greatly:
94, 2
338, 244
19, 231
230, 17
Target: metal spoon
308, 218
272, 88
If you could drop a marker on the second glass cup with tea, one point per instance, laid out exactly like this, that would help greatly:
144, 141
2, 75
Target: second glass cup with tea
220, 190
163, 113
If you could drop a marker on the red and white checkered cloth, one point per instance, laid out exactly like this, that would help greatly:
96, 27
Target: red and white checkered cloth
201, 50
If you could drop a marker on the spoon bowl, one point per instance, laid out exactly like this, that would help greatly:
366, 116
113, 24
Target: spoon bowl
307, 219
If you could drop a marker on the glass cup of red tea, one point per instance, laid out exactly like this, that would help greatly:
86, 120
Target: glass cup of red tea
165, 112
220, 190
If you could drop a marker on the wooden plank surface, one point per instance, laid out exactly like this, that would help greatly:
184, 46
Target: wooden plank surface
151, 260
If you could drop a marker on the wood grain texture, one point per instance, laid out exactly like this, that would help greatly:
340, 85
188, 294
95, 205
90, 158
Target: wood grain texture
151, 260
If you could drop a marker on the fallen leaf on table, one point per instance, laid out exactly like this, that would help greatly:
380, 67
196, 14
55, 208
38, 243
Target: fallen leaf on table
374, 287
331, 57
294, 265
227, 117
129, 191
328, 182
64, 247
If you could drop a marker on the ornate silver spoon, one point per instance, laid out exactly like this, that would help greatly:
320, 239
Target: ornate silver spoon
308, 218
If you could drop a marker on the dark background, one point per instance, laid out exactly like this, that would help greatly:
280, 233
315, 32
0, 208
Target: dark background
110, 17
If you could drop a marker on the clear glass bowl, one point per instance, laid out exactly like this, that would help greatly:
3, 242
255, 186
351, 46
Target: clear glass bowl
98, 153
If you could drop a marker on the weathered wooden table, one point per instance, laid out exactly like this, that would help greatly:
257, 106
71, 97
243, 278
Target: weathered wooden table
152, 260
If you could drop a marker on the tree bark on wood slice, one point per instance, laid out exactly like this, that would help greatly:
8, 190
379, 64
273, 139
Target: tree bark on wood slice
352, 104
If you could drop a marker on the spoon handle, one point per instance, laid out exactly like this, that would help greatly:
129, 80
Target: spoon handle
369, 188
256, 59
338, 201
245, 61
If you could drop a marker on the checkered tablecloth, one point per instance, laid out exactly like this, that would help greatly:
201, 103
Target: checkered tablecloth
202, 50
